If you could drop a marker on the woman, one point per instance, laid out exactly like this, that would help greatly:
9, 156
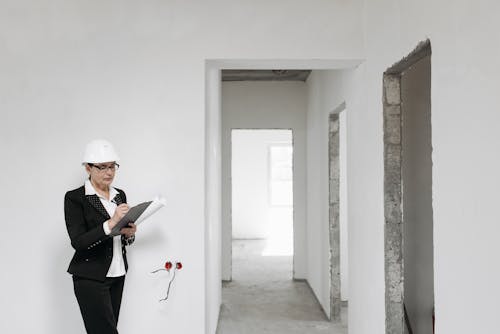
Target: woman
100, 263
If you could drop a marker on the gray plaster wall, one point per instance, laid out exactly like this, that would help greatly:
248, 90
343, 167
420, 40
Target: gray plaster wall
393, 258
417, 196
334, 215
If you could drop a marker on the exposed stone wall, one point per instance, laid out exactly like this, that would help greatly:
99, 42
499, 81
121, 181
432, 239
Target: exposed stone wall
334, 219
394, 274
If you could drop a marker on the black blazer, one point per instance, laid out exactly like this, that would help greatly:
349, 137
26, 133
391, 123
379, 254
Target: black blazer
84, 216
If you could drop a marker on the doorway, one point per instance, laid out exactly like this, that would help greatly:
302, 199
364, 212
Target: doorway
408, 209
262, 192
220, 119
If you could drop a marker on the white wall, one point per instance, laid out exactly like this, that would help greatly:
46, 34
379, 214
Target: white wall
465, 140
74, 70
213, 199
327, 90
343, 207
271, 105
133, 72
251, 210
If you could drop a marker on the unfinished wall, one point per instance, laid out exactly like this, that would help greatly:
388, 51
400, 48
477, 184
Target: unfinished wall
327, 90
266, 105
333, 216
465, 120
135, 72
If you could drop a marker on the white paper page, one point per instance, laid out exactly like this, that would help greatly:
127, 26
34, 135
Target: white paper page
158, 203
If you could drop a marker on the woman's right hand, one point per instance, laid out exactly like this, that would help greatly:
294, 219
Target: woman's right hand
120, 212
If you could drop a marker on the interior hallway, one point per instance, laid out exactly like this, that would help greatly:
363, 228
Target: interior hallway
262, 298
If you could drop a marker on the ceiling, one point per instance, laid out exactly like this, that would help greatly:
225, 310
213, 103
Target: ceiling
265, 75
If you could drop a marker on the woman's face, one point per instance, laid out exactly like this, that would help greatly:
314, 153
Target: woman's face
101, 174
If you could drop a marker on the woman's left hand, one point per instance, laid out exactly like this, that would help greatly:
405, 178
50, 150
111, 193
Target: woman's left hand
129, 231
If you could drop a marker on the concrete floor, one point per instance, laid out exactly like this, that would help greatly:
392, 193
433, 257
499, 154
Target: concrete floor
262, 298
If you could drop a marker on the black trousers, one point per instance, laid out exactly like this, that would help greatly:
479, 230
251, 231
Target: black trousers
99, 303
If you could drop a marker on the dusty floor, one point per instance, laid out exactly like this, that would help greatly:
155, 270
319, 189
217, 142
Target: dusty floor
262, 298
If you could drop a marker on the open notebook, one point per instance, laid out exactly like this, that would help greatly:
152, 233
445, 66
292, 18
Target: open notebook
139, 213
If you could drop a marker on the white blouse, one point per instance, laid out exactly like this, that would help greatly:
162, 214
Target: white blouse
117, 267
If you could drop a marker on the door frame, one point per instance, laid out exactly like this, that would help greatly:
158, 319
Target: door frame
393, 189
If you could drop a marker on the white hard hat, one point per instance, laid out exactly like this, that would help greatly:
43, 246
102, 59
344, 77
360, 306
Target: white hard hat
99, 150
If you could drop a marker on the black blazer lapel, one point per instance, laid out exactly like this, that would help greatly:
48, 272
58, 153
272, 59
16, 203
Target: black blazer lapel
96, 203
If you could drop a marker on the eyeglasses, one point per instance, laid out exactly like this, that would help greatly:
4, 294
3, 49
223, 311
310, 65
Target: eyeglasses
103, 168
